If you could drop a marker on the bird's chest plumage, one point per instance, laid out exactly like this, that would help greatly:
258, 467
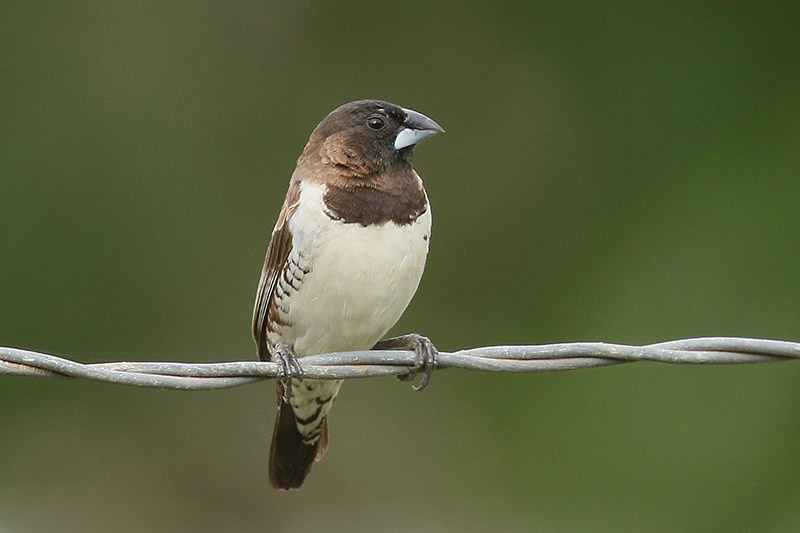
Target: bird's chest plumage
351, 283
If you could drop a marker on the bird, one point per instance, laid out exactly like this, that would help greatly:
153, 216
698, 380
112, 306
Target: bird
344, 260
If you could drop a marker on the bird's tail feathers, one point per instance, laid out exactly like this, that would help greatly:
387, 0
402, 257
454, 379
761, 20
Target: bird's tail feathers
290, 458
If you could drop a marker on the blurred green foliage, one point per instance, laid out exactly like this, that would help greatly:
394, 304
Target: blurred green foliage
626, 172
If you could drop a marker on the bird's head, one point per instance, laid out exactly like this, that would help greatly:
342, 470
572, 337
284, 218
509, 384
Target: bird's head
369, 136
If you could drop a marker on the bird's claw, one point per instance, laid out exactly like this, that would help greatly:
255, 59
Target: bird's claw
288, 368
425, 351
427, 360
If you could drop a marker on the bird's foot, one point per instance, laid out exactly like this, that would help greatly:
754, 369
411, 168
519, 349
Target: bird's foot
288, 368
425, 351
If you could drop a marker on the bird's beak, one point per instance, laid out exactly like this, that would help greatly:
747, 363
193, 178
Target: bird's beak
416, 128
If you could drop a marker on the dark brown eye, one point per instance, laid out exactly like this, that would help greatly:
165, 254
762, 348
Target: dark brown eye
376, 122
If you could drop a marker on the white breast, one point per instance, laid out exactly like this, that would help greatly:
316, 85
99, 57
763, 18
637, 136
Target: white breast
361, 279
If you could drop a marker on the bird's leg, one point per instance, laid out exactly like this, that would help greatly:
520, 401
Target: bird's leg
425, 351
288, 368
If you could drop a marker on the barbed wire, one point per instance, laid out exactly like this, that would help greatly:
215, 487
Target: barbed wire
371, 363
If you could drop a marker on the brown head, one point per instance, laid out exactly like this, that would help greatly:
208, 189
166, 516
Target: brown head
367, 137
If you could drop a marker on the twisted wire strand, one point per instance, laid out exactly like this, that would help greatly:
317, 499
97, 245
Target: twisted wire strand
372, 363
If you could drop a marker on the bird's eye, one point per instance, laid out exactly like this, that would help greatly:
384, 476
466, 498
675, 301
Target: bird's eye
376, 122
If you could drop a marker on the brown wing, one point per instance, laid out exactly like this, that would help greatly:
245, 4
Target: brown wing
277, 255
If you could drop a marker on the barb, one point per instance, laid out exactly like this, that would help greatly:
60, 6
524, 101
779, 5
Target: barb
350, 365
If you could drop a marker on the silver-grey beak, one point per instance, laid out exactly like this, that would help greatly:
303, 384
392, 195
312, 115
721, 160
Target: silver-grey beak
416, 128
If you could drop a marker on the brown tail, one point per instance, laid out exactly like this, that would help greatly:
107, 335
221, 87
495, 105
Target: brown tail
290, 459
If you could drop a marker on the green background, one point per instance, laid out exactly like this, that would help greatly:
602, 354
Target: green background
617, 171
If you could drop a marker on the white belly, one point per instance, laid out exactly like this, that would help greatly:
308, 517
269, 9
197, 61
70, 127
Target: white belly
361, 279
